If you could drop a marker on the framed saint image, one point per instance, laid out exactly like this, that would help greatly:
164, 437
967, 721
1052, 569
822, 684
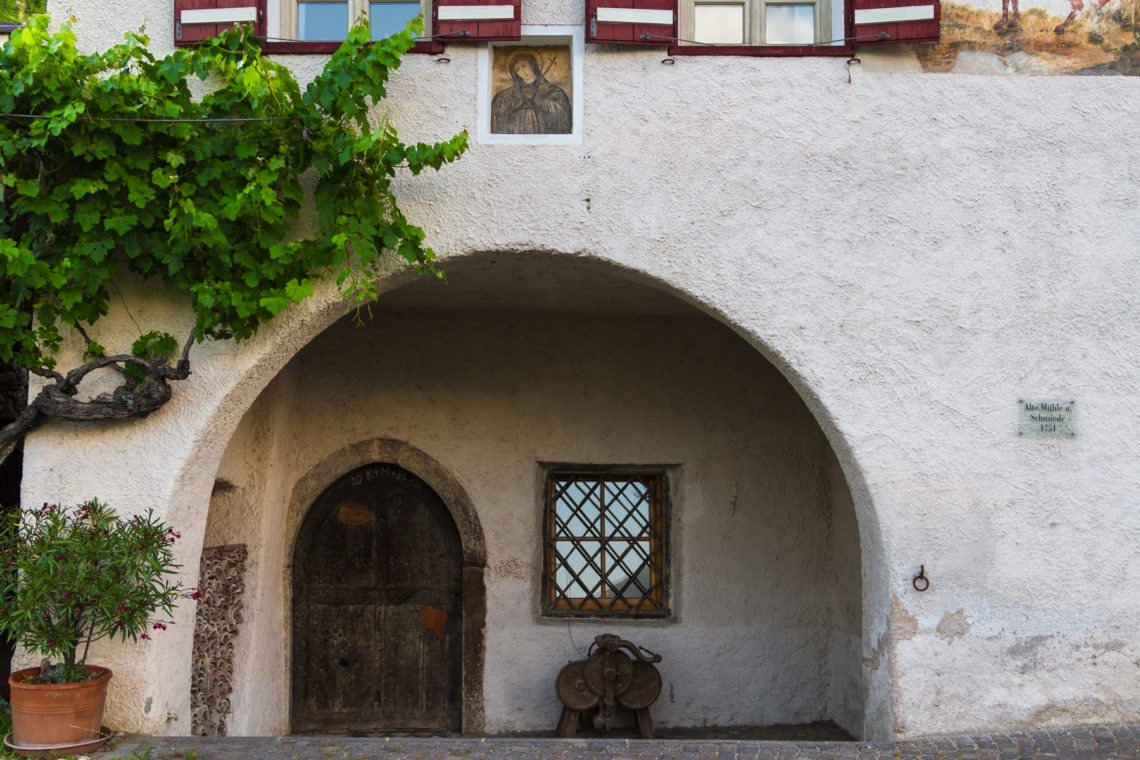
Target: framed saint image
530, 92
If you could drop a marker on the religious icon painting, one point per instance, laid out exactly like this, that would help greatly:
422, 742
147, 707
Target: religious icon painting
532, 90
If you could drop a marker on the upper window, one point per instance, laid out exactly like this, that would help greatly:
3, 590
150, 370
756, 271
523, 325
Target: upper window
755, 22
319, 26
605, 544
761, 27
326, 20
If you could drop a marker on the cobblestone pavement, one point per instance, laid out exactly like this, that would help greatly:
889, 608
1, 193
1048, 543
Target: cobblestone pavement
1118, 742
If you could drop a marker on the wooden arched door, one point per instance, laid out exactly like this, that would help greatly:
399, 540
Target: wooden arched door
377, 614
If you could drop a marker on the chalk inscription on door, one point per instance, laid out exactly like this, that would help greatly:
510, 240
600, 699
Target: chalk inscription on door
376, 608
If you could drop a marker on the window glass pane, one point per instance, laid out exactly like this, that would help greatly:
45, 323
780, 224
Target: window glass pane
322, 21
578, 571
576, 509
628, 573
719, 23
385, 19
789, 24
627, 509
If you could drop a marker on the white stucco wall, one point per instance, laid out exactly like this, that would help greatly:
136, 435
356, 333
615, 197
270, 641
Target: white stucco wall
755, 566
914, 252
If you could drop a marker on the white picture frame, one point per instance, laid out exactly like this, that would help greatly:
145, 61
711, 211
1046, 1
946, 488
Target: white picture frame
534, 35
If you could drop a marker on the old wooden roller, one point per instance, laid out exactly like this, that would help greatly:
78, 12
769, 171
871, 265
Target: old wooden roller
608, 677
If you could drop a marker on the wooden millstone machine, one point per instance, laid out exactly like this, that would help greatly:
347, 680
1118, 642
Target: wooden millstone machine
607, 678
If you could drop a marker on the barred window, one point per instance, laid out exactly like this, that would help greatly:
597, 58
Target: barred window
605, 544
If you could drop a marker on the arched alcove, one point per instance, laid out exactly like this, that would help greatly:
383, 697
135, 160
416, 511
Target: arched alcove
521, 363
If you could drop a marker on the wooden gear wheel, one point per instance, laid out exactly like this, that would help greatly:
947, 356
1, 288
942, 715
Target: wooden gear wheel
619, 671
571, 688
644, 687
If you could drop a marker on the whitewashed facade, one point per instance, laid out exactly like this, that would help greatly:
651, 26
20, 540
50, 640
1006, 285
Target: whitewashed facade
815, 290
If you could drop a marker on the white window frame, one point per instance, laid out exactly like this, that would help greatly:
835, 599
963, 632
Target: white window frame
827, 16
287, 12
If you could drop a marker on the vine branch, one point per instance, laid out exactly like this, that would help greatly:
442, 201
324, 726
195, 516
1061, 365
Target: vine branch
132, 399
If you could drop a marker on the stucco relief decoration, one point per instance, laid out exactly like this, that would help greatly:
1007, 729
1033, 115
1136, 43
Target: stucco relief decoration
532, 90
221, 584
1037, 37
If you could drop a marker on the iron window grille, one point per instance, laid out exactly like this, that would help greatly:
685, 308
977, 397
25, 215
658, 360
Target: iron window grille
605, 544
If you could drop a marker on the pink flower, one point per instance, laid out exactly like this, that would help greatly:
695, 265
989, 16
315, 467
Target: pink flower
120, 608
144, 636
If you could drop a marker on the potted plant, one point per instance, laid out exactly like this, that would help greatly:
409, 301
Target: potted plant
69, 577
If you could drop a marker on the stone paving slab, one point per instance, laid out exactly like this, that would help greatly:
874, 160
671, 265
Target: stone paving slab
1110, 742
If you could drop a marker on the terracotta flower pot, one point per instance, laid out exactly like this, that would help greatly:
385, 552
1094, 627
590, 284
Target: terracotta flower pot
52, 714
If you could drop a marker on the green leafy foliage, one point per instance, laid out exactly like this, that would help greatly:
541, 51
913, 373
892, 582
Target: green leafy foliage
153, 346
17, 10
73, 576
207, 204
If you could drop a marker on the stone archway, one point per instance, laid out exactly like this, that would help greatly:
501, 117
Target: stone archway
285, 401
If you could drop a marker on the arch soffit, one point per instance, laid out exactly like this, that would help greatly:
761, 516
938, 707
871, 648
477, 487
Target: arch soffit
301, 325
298, 326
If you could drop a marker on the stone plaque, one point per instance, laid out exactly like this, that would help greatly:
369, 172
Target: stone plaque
1046, 418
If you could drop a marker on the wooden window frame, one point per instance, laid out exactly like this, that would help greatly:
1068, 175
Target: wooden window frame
754, 16
864, 22
555, 605
659, 23
286, 41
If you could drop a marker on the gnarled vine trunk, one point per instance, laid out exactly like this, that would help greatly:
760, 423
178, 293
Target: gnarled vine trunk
133, 399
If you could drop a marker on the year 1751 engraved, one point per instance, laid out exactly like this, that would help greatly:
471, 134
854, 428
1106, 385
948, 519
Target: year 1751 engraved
1048, 418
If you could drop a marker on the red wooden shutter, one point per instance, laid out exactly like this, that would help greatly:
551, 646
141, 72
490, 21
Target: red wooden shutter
476, 20
631, 22
900, 20
196, 20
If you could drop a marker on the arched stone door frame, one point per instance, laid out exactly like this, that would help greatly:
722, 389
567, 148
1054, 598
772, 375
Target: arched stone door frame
474, 548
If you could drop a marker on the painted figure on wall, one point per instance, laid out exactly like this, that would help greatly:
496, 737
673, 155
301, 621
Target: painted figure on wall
1036, 37
1010, 23
532, 104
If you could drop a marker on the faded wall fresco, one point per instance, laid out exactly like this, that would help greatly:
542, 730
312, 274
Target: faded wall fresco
1037, 37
